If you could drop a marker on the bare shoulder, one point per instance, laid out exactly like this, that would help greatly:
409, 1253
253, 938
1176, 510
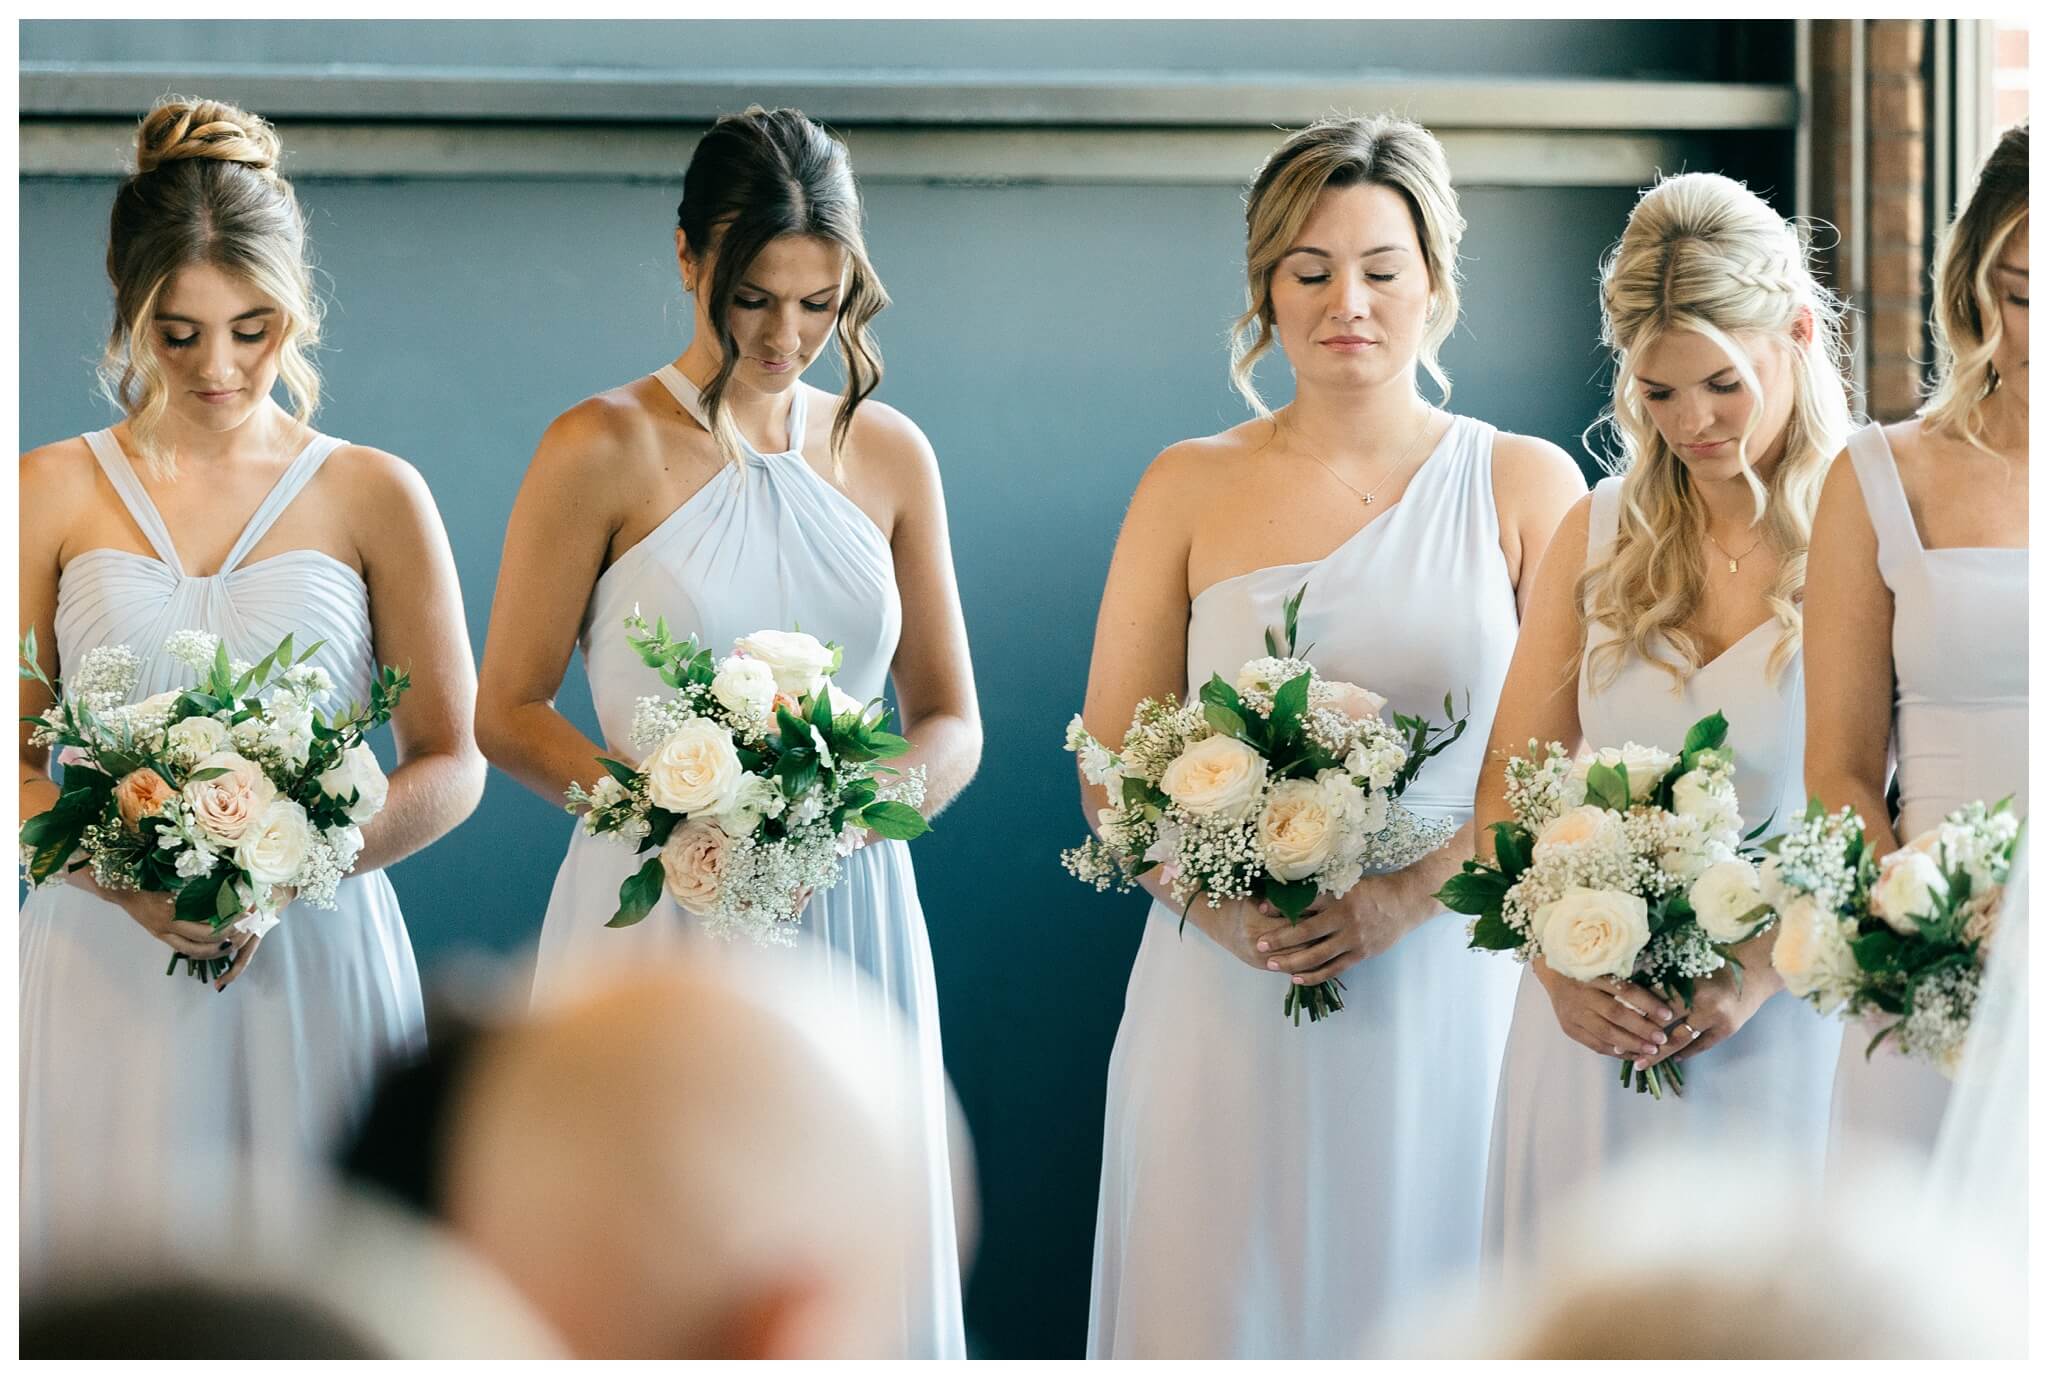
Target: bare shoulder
883, 439
600, 430
385, 486
1841, 508
57, 481
1532, 469
1192, 472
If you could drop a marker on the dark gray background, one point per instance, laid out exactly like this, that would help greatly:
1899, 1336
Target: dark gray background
1049, 338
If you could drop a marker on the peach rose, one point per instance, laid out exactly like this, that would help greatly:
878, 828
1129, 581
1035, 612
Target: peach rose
1575, 827
1354, 701
693, 861
227, 806
140, 794
1218, 775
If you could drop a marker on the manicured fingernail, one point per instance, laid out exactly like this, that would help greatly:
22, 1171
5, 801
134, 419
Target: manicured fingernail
1662, 1039
1272, 964
1299, 980
1263, 945
1650, 1050
1663, 1014
1640, 1065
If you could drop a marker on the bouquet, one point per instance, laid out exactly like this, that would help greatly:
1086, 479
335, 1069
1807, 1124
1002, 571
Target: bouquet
233, 795
759, 776
1904, 935
1277, 787
1628, 863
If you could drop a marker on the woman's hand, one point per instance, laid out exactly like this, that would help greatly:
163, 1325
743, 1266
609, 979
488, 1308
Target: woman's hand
1610, 1016
154, 911
1332, 935
1723, 1003
1237, 926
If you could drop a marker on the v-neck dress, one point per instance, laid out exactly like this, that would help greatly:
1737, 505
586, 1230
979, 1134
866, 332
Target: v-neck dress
141, 1092
1563, 1120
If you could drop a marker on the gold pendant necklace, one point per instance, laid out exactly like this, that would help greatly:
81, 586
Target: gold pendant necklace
1365, 495
1732, 559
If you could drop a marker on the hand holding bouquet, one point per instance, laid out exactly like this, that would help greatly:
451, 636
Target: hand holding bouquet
1904, 935
759, 776
1627, 863
234, 795
1278, 787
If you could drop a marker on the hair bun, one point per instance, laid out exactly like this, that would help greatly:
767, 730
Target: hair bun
178, 128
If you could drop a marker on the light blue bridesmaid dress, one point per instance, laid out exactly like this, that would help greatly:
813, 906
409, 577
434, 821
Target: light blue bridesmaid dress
1959, 732
1563, 1119
770, 543
141, 1092
1274, 1191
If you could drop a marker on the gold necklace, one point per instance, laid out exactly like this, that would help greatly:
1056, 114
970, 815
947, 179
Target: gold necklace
1732, 559
1365, 494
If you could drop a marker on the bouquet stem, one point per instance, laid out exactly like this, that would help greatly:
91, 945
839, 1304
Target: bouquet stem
204, 969
1321, 1000
1656, 1079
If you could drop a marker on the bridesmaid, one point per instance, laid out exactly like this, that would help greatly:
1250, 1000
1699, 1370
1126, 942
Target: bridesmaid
728, 495
1672, 591
1919, 603
210, 506
1270, 1190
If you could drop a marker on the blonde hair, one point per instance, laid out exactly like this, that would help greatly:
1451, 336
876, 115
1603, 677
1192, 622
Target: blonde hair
205, 190
1704, 253
1382, 151
1968, 327
755, 177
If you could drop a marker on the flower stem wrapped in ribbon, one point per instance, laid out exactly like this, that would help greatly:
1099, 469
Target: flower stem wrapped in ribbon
1279, 787
1628, 862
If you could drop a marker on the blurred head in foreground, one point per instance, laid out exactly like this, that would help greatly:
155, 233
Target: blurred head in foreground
1729, 1252
665, 1167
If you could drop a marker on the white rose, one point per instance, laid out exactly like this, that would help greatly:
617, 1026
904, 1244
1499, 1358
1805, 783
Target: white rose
196, 737
693, 864
1723, 897
1218, 775
1909, 888
1588, 933
842, 702
1575, 828
745, 686
1298, 829
797, 659
1707, 800
358, 771
755, 798
695, 770
1812, 954
1267, 674
1645, 767
274, 850
227, 806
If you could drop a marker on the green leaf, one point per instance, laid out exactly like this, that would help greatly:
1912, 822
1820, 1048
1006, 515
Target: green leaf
1218, 691
1290, 898
884, 745
798, 772
1607, 786
226, 903
1290, 701
1710, 732
1476, 890
1225, 721
894, 819
619, 771
638, 894
1514, 848
1272, 649
1290, 612
1492, 934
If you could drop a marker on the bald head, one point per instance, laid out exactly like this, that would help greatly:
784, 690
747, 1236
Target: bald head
668, 1168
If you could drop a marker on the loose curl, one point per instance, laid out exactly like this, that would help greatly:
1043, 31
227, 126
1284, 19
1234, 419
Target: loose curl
755, 177
1968, 326
205, 189
1381, 151
1703, 253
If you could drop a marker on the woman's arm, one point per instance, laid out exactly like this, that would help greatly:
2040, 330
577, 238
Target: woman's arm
933, 674
417, 623
1534, 486
555, 544
1847, 645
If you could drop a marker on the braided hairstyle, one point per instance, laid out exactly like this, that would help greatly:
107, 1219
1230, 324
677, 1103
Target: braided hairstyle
755, 177
1703, 253
206, 189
